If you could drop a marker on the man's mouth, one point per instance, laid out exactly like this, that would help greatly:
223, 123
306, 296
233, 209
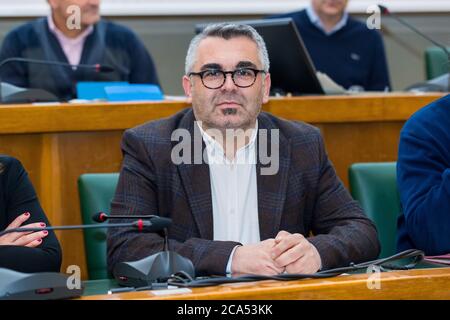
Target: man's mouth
228, 107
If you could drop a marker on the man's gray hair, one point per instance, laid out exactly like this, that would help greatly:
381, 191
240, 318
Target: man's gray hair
227, 31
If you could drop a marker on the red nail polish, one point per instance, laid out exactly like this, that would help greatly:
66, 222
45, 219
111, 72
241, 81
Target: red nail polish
42, 224
40, 240
27, 214
45, 232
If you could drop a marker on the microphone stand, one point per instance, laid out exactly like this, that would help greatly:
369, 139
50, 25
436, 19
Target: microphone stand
385, 11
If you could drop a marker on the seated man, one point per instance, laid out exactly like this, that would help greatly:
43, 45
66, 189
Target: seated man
95, 42
423, 177
342, 47
234, 209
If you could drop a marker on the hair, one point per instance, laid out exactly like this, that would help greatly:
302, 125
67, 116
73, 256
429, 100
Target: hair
227, 31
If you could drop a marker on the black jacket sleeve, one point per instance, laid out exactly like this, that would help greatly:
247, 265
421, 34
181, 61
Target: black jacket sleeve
18, 196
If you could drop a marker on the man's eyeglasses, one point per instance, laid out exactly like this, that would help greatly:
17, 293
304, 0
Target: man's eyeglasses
215, 79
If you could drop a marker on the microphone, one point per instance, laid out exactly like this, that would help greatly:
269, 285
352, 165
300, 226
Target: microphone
102, 217
94, 67
154, 269
140, 225
154, 223
49, 285
16, 94
386, 12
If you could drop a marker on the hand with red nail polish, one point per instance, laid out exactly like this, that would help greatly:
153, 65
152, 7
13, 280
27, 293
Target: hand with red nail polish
27, 239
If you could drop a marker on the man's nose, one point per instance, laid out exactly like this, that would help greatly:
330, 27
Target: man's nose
229, 83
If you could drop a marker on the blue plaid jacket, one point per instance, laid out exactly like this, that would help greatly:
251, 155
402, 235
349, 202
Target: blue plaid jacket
305, 196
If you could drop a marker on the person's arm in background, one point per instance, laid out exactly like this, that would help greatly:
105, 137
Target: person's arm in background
137, 193
14, 73
21, 198
143, 69
423, 178
379, 72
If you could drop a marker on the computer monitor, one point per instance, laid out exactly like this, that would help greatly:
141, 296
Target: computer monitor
291, 68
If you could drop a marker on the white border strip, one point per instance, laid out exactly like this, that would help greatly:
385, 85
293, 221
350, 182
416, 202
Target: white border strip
35, 8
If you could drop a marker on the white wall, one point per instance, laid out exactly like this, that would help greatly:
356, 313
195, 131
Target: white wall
32, 8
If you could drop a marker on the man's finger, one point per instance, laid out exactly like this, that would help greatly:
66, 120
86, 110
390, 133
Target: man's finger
285, 244
281, 235
290, 256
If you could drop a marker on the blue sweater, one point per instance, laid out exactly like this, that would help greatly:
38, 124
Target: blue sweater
423, 176
109, 44
354, 55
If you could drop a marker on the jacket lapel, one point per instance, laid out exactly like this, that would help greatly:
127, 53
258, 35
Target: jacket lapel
271, 188
195, 178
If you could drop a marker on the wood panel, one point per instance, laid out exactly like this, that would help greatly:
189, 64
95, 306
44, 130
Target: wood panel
57, 143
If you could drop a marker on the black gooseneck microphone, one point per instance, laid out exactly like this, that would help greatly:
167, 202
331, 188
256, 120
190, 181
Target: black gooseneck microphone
386, 12
156, 269
140, 225
94, 67
39, 94
102, 217
50, 285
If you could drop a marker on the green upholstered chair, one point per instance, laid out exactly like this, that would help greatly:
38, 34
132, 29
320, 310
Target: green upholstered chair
436, 62
96, 191
374, 186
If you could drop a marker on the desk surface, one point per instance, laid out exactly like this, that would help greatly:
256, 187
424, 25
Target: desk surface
412, 284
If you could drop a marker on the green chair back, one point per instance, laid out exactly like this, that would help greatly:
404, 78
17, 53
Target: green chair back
374, 186
96, 191
436, 62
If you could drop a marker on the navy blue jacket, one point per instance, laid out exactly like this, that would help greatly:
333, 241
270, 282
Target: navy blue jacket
354, 55
423, 174
109, 44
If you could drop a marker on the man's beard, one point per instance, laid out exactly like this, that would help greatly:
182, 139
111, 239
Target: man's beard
248, 110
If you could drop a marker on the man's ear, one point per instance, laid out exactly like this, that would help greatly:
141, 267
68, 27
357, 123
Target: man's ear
187, 87
267, 84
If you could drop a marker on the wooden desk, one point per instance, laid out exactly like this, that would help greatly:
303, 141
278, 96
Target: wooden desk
58, 143
412, 284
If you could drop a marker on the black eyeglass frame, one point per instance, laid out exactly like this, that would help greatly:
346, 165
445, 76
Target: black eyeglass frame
224, 73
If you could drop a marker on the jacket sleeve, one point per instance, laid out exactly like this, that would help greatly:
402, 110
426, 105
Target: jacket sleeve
423, 177
21, 197
342, 232
14, 73
137, 194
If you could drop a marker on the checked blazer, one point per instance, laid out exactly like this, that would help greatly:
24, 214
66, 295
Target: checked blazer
305, 196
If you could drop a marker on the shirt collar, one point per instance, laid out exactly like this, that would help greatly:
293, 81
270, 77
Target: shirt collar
315, 20
212, 143
60, 35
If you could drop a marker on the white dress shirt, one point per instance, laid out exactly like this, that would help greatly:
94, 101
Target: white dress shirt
234, 192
